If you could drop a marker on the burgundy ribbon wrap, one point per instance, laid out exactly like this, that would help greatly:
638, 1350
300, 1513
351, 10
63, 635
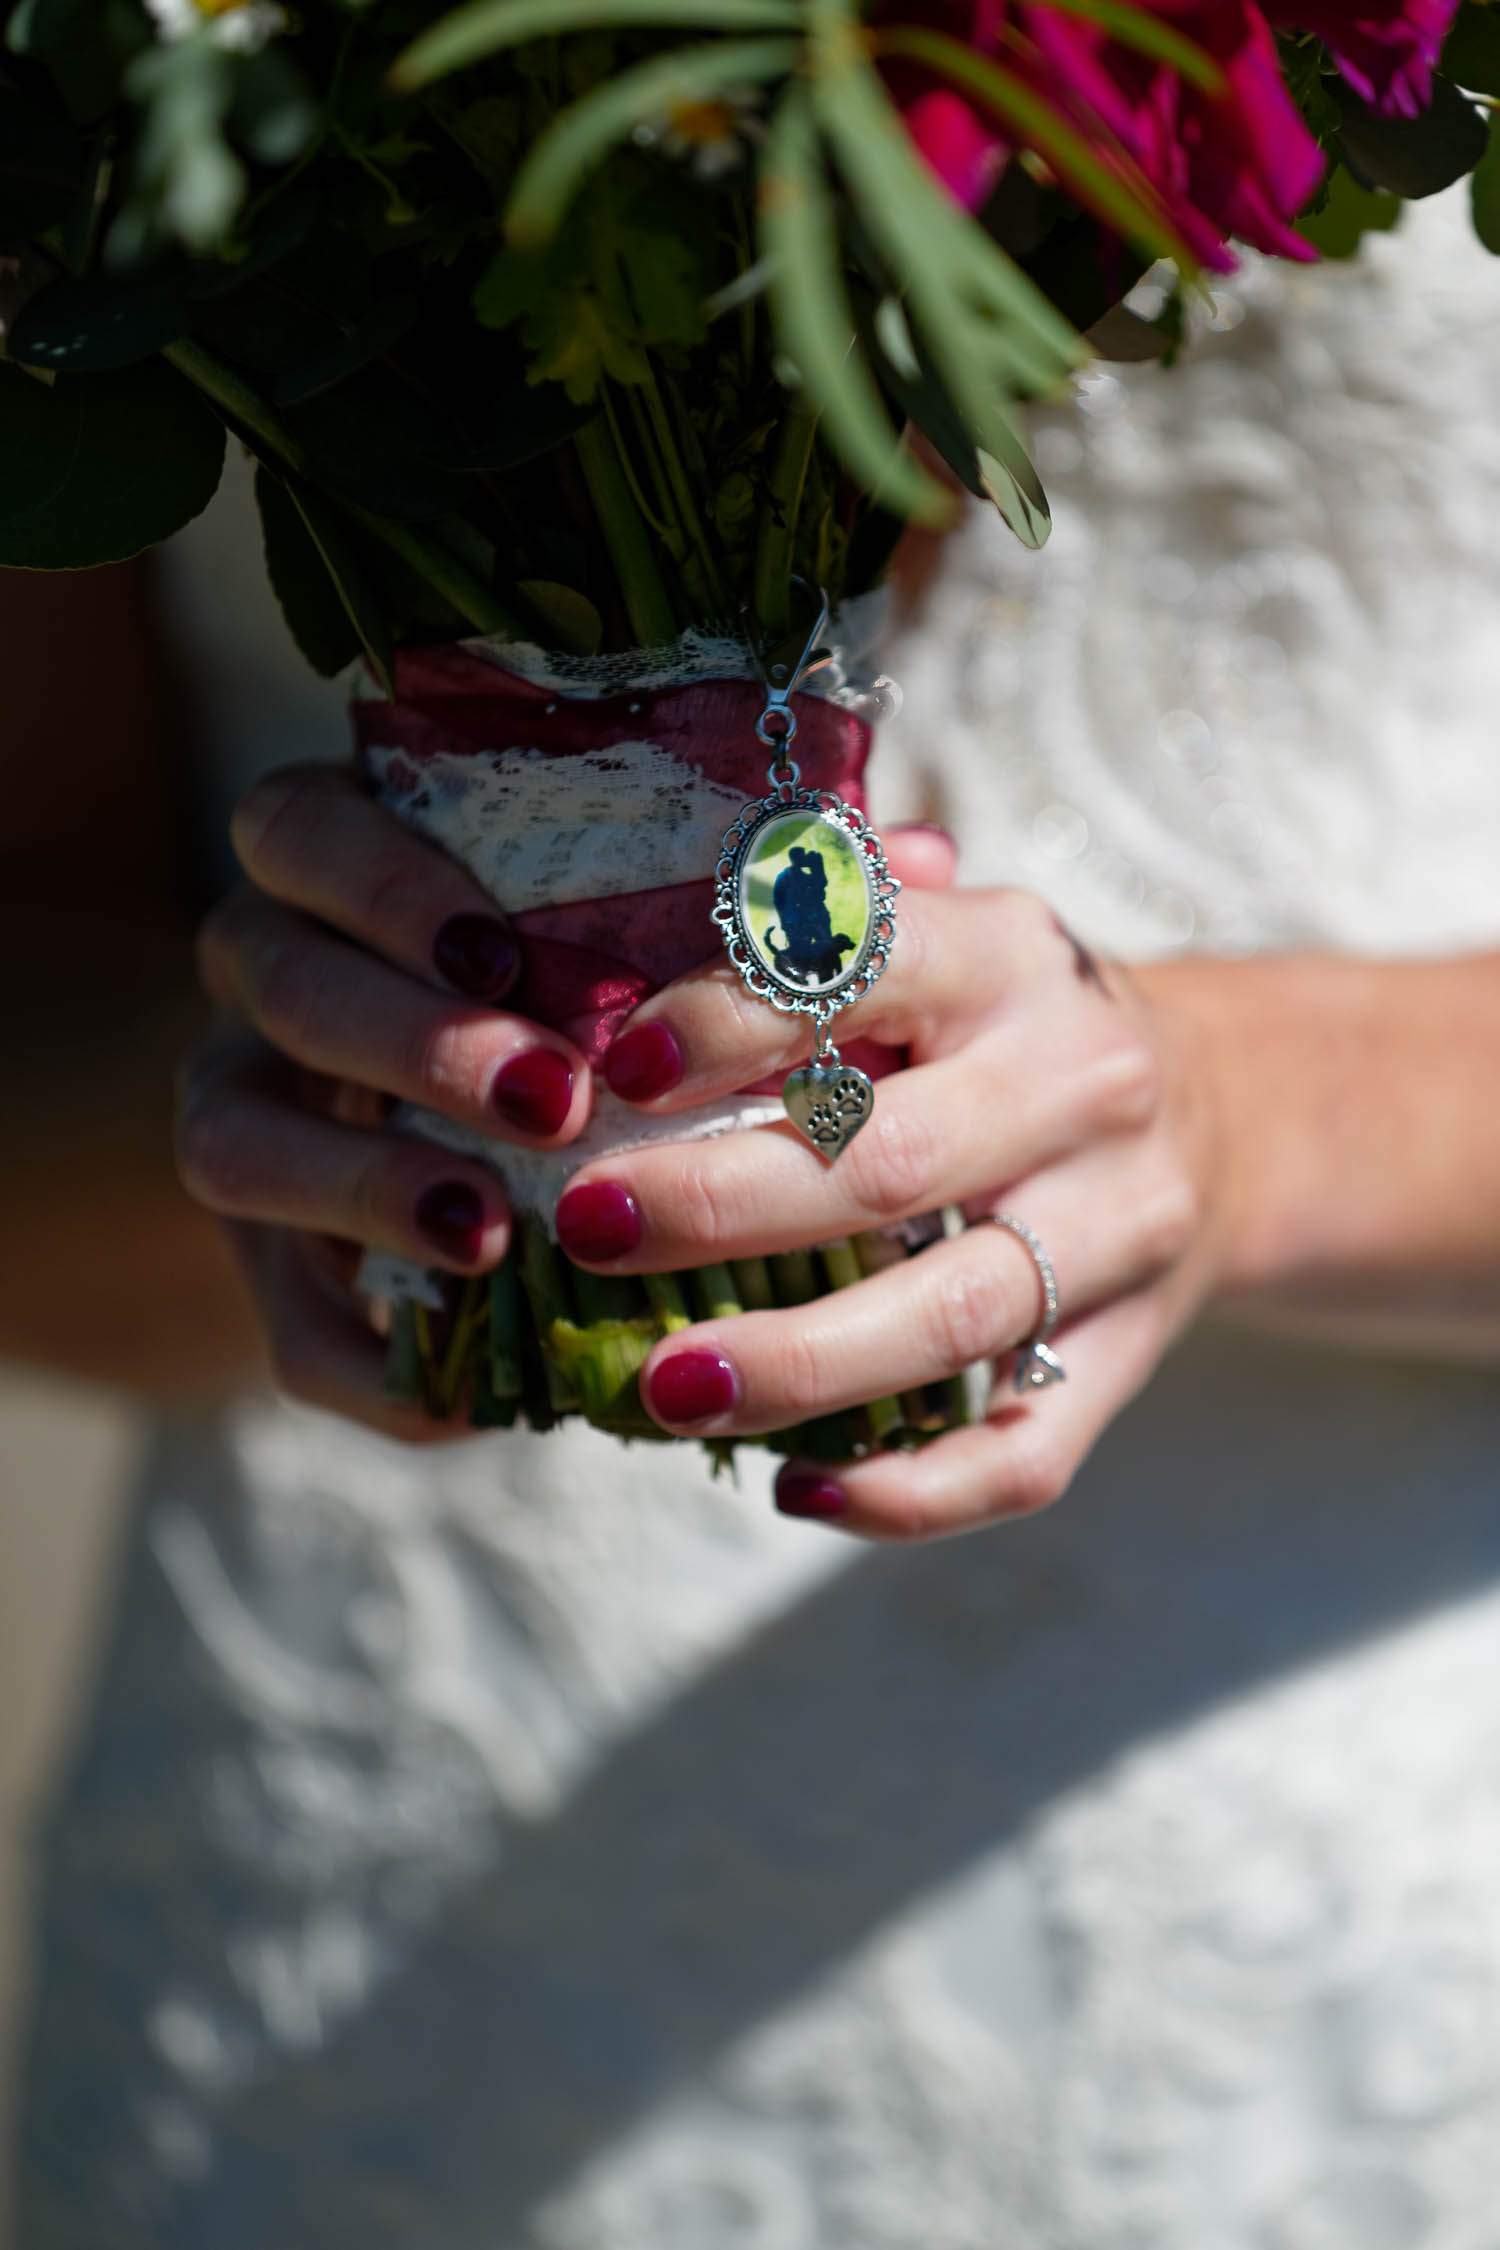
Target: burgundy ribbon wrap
588, 963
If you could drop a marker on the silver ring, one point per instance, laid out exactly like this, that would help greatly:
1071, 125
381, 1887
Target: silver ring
1036, 1364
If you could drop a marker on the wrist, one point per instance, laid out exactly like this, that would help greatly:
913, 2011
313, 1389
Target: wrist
1271, 1050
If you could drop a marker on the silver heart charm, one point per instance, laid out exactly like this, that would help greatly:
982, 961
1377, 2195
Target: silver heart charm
828, 1102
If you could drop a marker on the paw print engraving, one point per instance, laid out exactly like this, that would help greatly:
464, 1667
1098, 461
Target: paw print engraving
850, 1095
825, 1122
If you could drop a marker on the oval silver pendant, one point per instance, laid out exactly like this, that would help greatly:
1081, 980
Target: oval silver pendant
806, 906
805, 901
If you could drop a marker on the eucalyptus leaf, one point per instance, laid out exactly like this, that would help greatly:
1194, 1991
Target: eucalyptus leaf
99, 322
485, 27
100, 467
1412, 156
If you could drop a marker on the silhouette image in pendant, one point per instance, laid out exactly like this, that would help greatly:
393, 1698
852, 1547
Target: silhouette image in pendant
808, 952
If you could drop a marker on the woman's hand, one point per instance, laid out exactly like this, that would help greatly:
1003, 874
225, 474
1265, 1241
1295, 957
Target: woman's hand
1042, 1083
357, 965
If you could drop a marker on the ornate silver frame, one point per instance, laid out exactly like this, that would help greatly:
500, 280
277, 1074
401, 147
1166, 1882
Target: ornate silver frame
868, 964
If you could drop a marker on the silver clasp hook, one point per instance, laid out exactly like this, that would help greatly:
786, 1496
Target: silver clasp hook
777, 725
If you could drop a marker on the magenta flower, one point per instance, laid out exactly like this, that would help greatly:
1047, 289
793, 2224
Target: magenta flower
1385, 48
1239, 163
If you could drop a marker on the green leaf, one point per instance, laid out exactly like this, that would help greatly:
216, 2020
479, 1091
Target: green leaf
96, 468
1004, 476
1471, 51
1412, 156
41, 156
1484, 191
363, 341
98, 323
1122, 197
520, 427
585, 133
325, 596
625, 275
814, 320
1348, 213
988, 327
485, 27
570, 618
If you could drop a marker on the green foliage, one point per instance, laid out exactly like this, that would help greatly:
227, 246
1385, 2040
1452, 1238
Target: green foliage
1412, 156
612, 325
624, 277
100, 467
330, 604
1484, 190
1471, 52
1346, 213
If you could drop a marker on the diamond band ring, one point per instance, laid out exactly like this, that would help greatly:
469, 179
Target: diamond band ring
1036, 1364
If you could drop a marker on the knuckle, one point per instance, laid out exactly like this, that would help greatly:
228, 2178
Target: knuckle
283, 997
1035, 1476
263, 824
1169, 1224
1123, 1085
440, 1070
798, 1376
704, 1205
964, 1316
907, 1518
386, 889
1024, 922
894, 1163
211, 1156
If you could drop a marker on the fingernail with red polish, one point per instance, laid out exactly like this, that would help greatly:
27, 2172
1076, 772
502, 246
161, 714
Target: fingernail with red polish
534, 1091
598, 1220
477, 954
644, 1063
451, 1215
803, 1491
692, 1387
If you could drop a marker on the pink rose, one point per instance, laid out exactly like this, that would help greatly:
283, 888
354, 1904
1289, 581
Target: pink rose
1241, 163
1385, 48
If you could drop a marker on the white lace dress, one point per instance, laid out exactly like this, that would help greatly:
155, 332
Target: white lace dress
545, 1848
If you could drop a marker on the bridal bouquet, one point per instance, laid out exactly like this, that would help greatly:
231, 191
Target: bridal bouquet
577, 342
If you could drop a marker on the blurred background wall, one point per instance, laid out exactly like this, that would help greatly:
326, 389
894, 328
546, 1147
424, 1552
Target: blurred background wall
138, 703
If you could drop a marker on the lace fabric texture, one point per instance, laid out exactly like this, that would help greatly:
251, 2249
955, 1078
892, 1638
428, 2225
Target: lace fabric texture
542, 1847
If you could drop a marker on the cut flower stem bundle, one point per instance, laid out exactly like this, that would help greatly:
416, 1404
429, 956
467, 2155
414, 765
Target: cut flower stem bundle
541, 1338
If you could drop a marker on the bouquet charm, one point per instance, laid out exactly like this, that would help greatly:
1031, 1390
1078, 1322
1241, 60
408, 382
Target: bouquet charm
806, 906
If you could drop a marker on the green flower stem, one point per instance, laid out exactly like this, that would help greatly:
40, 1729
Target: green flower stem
606, 1296
667, 1302
842, 1264
795, 1277
507, 1312
752, 1279
652, 617
682, 494
431, 561
603, 1362
545, 1278
714, 1289
403, 1358
776, 545
473, 1309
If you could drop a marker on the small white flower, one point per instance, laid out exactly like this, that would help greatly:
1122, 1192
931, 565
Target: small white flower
708, 135
241, 26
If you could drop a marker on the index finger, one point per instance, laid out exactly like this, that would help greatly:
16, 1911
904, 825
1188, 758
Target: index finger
311, 838
955, 953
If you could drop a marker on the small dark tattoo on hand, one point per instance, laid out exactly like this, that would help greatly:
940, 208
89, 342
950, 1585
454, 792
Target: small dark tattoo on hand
1085, 965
